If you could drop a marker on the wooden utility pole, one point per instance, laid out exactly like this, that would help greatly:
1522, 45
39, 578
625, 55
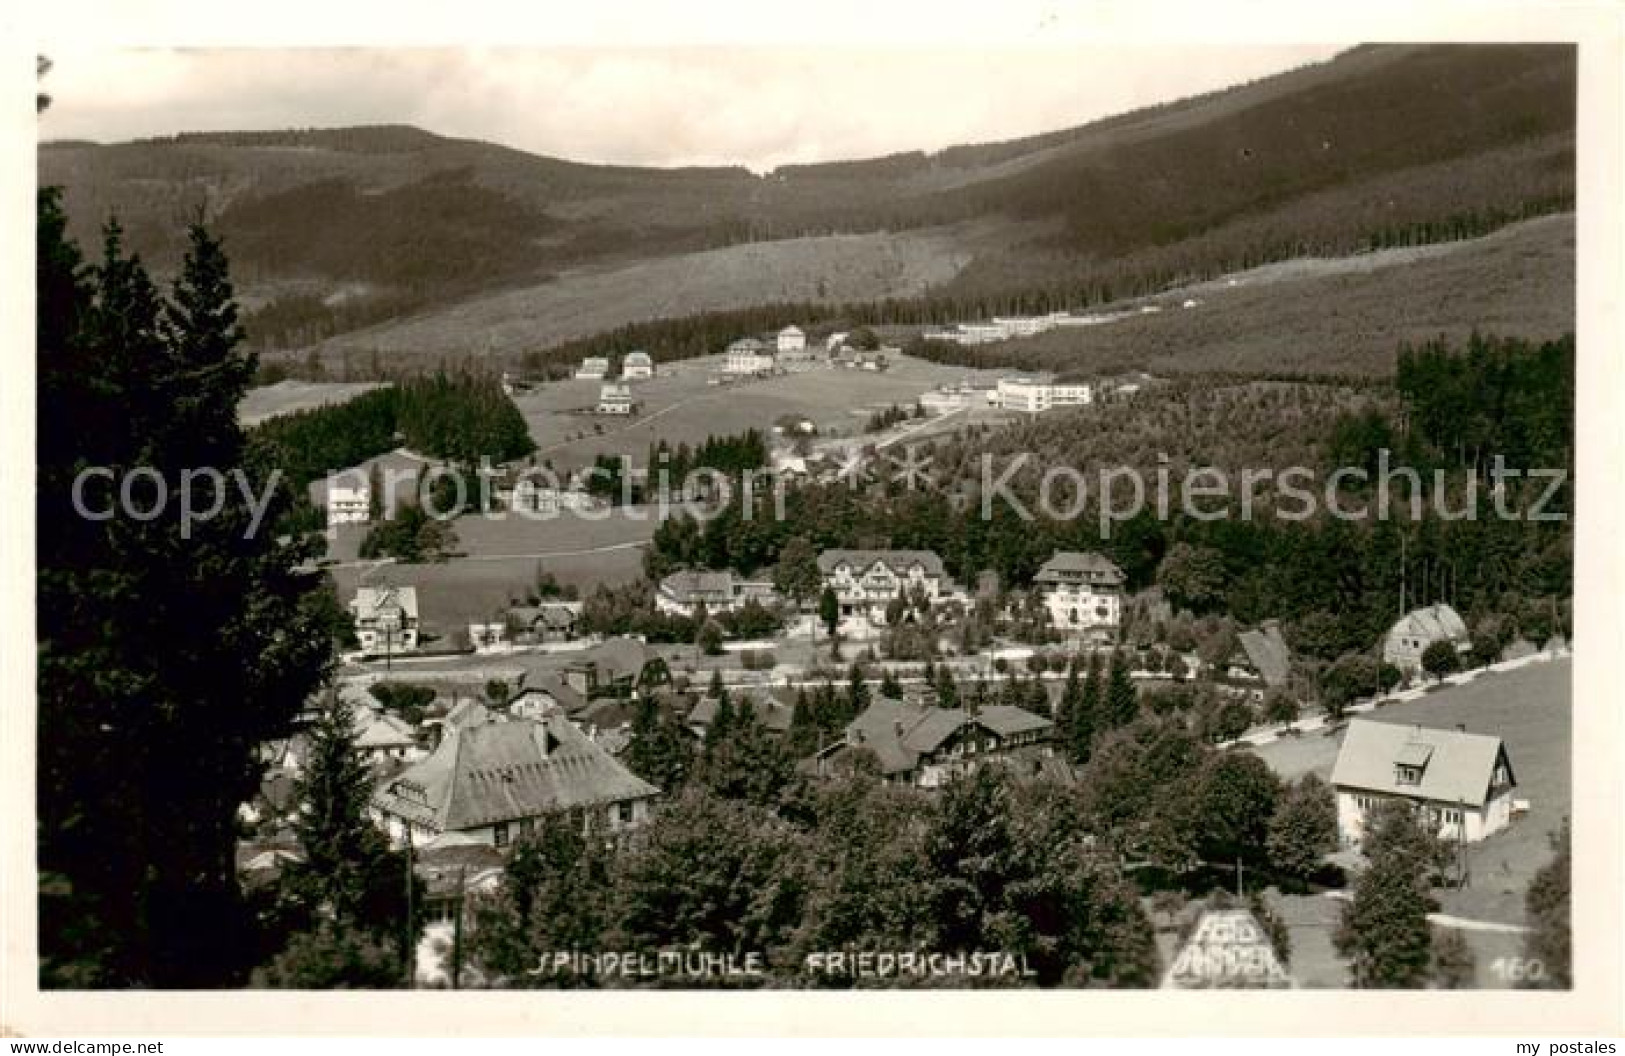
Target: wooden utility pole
411, 930
457, 932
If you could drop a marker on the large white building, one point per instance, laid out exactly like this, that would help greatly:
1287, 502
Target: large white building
1035, 394
1460, 782
866, 581
1083, 592
348, 503
386, 618
748, 356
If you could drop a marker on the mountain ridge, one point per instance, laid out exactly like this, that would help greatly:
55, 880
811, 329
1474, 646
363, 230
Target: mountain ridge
333, 230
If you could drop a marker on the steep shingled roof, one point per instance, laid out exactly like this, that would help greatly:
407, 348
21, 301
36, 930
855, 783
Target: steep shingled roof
501, 771
899, 733
1456, 767
896, 560
1431, 624
1268, 652
1071, 566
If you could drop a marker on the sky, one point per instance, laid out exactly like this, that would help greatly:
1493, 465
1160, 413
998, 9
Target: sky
759, 106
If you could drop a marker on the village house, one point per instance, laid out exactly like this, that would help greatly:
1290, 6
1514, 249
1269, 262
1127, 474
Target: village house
493, 780
748, 357
1025, 325
593, 368
488, 637
348, 503
681, 593
981, 333
796, 360
382, 738
636, 365
617, 667
773, 714
1083, 592
918, 744
551, 621
1261, 656
791, 339
954, 397
866, 581
1460, 782
1408, 639
615, 399
546, 499
546, 695
386, 618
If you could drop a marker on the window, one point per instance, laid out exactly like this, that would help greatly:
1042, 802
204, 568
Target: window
624, 811
499, 834
1408, 775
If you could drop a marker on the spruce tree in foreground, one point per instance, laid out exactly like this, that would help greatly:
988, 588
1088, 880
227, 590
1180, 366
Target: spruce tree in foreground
164, 658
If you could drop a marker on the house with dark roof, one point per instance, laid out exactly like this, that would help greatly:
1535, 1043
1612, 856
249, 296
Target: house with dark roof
615, 667
494, 780
866, 581
551, 621
772, 713
928, 746
681, 593
1409, 638
1261, 655
1461, 782
1083, 592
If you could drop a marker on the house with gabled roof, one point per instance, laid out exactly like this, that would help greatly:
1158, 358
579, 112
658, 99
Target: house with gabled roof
682, 593
386, 618
1460, 782
1261, 655
382, 737
495, 780
866, 581
615, 667
1083, 592
1409, 638
927, 746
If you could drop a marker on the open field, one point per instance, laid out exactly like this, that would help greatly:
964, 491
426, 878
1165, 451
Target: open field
679, 405
1345, 315
1530, 709
502, 558
831, 269
285, 397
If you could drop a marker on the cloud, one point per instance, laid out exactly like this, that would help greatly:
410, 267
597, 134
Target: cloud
759, 106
